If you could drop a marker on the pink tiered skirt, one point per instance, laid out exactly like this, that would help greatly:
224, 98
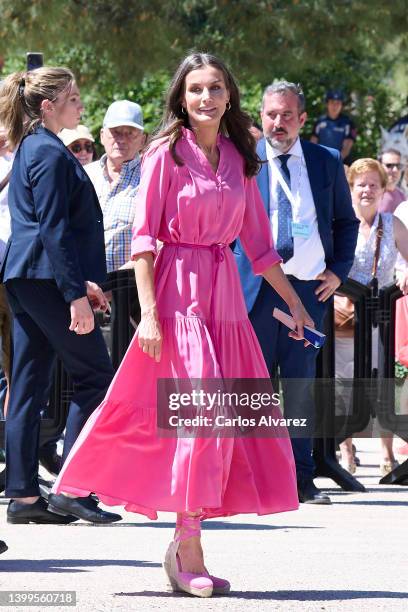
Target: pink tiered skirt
119, 454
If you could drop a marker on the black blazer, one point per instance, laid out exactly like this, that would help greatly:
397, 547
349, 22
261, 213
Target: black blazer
56, 221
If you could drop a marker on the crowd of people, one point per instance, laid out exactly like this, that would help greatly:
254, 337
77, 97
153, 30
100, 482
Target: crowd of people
222, 221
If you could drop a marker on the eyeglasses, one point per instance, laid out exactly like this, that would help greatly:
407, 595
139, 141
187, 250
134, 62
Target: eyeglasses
77, 148
128, 133
391, 166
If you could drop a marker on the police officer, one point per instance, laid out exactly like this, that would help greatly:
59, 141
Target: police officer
400, 126
334, 129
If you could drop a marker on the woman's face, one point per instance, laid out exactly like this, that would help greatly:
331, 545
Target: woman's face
205, 96
68, 108
83, 150
367, 190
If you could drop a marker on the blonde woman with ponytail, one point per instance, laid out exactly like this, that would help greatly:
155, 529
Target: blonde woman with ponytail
53, 262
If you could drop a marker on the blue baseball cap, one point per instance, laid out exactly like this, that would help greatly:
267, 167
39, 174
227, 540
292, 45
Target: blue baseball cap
335, 94
124, 112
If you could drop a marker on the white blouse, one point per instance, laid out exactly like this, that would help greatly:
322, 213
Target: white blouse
364, 255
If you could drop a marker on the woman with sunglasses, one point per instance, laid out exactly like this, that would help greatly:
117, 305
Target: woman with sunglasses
80, 142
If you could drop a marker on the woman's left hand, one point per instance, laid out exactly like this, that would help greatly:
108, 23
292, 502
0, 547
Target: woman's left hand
301, 318
96, 297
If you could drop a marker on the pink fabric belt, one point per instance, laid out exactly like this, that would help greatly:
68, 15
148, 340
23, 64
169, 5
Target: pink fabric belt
217, 251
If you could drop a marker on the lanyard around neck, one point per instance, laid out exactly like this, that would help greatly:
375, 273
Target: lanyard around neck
285, 186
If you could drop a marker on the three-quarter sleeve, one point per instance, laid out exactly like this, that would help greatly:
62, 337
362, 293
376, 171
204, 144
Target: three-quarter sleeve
150, 200
256, 232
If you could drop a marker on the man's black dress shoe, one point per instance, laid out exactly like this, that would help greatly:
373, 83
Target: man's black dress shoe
84, 508
3, 547
19, 514
51, 461
309, 494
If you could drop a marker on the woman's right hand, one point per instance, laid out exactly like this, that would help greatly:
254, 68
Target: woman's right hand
277, 279
150, 334
301, 318
82, 316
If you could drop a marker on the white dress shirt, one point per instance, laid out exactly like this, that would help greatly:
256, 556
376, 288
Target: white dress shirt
308, 254
6, 163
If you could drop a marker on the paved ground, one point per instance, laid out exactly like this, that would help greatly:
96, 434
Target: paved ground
348, 556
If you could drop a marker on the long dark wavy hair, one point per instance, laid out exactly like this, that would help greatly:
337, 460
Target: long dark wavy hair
235, 123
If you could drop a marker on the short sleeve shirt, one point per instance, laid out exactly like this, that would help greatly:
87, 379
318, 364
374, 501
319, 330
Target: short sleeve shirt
118, 202
391, 199
332, 132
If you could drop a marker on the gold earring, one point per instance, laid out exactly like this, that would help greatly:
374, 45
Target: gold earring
228, 105
183, 110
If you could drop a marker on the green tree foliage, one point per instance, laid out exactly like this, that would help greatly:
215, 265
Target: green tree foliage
255, 37
128, 48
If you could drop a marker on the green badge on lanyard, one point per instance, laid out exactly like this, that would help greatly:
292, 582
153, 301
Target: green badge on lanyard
300, 230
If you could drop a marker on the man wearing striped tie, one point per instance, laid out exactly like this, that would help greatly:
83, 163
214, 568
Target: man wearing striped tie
307, 199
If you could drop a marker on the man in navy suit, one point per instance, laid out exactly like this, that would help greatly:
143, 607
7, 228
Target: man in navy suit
307, 198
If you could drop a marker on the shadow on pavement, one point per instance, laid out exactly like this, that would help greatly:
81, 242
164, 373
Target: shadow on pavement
283, 595
207, 525
373, 502
210, 524
66, 566
388, 489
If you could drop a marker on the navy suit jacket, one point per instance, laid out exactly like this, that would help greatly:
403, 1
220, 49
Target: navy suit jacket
56, 221
337, 223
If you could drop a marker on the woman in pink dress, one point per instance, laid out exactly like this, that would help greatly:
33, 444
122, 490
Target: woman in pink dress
197, 194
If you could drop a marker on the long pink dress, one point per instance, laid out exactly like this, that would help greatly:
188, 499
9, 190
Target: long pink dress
207, 334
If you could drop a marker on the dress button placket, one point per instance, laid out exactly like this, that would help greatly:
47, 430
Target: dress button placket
219, 194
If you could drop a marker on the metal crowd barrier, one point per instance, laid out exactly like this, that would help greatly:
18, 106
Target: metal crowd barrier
373, 389
329, 426
125, 315
125, 312
387, 417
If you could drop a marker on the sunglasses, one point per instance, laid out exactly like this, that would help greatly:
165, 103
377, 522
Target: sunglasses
396, 166
77, 148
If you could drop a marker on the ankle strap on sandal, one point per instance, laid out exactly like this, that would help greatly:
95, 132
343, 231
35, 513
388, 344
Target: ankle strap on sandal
187, 526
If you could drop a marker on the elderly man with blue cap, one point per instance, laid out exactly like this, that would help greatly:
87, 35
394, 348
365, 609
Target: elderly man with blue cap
335, 129
116, 178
